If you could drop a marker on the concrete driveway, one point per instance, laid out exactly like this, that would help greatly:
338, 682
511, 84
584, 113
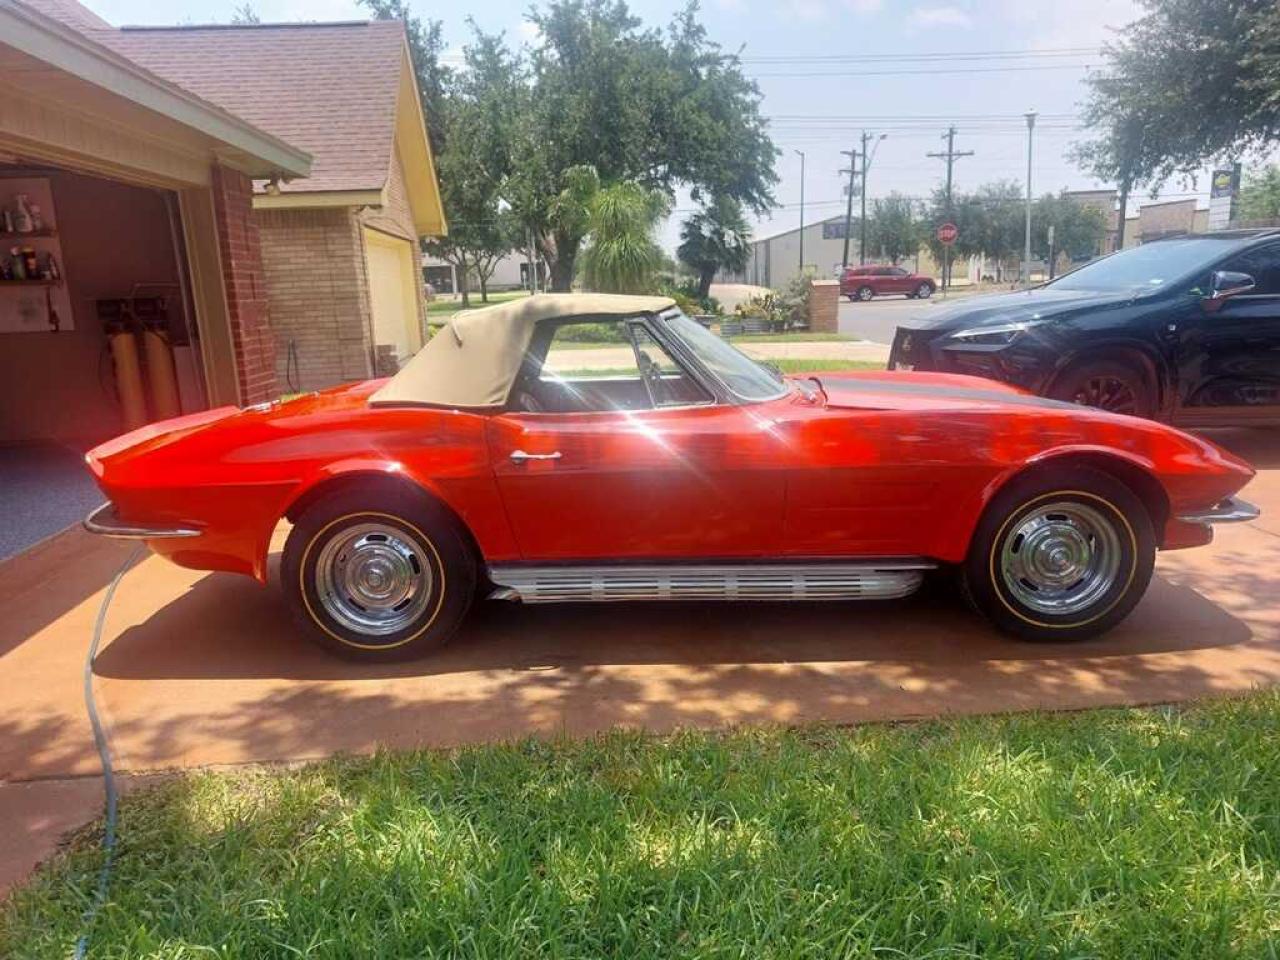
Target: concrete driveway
203, 669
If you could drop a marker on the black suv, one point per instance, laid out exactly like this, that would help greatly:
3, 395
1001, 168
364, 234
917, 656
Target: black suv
1185, 329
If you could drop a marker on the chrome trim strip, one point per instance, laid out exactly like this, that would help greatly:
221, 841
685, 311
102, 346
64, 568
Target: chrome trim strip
1230, 510
103, 522
878, 579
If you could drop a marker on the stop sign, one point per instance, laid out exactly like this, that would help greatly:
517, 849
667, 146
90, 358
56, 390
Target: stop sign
947, 233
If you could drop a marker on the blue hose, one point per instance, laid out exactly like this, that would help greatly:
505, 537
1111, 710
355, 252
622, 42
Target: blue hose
104, 755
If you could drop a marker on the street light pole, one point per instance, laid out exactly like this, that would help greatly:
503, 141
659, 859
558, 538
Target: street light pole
801, 153
866, 165
1026, 239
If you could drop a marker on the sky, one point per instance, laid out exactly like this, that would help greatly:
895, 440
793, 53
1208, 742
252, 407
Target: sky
829, 69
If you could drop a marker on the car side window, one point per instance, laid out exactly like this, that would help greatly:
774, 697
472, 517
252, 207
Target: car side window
600, 366
897, 272
1261, 263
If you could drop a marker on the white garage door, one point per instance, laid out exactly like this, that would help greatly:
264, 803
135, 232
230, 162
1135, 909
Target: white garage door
393, 294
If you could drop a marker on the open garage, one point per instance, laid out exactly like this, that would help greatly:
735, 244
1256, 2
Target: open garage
130, 272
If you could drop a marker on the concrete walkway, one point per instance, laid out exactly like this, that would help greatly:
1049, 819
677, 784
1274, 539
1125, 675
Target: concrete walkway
202, 669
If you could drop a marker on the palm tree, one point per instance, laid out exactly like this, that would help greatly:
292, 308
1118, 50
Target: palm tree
715, 238
622, 256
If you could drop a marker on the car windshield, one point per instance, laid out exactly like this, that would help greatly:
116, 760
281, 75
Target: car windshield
736, 370
1151, 266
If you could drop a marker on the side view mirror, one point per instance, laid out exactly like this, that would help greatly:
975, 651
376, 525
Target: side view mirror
1229, 283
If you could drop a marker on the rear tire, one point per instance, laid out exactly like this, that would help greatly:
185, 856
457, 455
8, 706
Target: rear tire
1111, 385
865, 293
378, 576
924, 291
1060, 554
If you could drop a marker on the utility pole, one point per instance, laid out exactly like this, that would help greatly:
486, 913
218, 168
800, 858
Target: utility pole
801, 153
950, 156
1026, 239
848, 209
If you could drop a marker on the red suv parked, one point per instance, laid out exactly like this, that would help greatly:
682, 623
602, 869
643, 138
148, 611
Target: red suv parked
863, 283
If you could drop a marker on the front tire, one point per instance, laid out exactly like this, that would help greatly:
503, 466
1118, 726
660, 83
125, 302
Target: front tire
865, 293
924, 291
1107, 385
378, 578
1060, 555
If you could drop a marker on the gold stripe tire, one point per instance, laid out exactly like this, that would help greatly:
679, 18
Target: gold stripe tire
445, 554
982, 578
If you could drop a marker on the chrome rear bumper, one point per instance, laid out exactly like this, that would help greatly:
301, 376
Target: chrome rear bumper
1230, 510
104, 522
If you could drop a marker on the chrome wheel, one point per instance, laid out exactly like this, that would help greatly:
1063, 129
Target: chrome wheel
1107, 393
865, 293
1061, 558
924, 291
374, 578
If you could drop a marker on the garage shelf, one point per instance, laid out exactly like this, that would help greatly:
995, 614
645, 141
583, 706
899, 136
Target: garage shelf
33, 235
27, 283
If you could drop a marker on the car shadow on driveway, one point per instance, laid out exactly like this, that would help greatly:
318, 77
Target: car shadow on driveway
229, 628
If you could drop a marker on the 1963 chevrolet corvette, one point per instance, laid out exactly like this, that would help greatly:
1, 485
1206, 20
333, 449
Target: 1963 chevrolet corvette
506, 461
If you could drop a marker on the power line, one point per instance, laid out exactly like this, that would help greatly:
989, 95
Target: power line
1046, 53
924, 72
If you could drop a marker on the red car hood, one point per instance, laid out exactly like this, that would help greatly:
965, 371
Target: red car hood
885, 390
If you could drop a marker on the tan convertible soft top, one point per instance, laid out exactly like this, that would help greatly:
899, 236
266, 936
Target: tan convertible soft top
474, 360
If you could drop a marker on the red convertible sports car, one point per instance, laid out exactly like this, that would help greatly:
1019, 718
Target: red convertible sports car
510, 459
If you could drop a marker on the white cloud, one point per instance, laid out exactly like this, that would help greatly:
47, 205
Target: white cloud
939, 16
864, 6
807, 10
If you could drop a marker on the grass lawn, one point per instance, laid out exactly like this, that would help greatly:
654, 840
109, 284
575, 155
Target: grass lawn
813, 365
749, 338
1119, 833
446, 307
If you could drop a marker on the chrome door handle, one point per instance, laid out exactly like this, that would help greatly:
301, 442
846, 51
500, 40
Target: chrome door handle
519, 456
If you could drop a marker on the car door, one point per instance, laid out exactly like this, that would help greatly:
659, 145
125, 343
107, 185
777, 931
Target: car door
1228, 359
897, 279
639, 462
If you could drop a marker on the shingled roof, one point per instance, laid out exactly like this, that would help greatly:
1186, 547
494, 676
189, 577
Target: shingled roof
330, 89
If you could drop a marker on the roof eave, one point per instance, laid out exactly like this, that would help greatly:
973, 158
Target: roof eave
251, 150
421, 183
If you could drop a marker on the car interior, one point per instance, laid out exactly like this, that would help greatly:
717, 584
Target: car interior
552, 381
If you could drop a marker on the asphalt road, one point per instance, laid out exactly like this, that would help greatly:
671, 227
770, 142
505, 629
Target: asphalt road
878, 319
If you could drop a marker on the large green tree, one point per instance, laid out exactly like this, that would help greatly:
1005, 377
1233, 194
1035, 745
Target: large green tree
1260, 194
715, 238
1078, 228
660, 109
1189, 81
895, 228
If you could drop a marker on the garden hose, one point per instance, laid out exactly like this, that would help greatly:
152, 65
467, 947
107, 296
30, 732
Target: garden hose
104, 755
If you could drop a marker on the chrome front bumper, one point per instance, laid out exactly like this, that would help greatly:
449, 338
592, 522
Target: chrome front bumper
1230, 510
104, 522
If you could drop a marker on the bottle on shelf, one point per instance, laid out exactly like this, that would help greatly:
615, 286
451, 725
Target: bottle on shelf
6, 220
17, 265
31, 263
37, 221
22, 222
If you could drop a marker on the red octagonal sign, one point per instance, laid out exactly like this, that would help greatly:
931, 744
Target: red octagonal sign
947, 233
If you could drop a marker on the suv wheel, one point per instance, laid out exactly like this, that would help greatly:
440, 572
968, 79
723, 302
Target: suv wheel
1109, 385
865, 293
924, 291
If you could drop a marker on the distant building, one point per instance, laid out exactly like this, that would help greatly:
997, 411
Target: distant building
1106, 201
775, 260
511, 273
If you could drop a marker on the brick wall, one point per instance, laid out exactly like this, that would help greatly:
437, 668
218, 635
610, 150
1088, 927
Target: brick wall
246, 289
319, 296
824, 306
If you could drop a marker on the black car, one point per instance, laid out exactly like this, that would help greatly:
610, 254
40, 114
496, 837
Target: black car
1185, 329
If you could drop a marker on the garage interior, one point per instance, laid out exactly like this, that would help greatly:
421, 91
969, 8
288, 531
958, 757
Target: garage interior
99, 340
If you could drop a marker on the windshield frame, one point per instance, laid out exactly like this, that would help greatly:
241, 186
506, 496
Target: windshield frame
1172, 284
691, 356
